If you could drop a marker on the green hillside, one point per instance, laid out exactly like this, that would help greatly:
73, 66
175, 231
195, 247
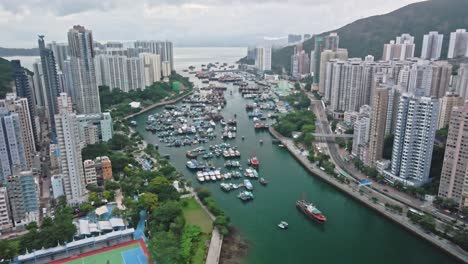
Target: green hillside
6, 77
368, 35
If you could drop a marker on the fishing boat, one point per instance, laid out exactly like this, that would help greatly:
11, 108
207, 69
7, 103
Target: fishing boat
248, 185
200, 176
311, 211
191, 165
245, 196
254, 162
226, 186
283, 225
190, 155
263, 181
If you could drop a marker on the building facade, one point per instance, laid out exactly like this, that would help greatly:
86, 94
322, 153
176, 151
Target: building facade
458, 45
414, 139
80, 42
454, 176
432, 46
263, 60
71, 166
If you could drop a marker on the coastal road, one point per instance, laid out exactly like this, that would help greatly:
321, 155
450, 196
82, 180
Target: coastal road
324, 127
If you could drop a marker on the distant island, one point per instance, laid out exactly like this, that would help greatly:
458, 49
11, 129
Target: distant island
5, 52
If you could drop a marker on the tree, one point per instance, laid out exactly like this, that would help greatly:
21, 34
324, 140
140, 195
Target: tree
308, 87
119, 142
8, 250
203, 193
297, 86
148, 201
111, 185
164, 248
165, 215
92, 151
93, 198
86, 207
108, 195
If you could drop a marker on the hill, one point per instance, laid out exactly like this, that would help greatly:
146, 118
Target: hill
6, 77
368, 35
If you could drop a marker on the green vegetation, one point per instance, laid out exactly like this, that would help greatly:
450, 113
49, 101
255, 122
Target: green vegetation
52, 231
395, 208
222, 222
6, 77
298, 99
300, 121
368, 35
118, 101
195, 215
427, 222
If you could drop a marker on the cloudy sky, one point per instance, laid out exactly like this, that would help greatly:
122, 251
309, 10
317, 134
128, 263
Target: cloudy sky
186, 22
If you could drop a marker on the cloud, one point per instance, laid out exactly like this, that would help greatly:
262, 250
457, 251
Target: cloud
186, 22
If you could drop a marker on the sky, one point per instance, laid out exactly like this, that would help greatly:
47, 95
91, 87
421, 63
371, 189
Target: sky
185, 22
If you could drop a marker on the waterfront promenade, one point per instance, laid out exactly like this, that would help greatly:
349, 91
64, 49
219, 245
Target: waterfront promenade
366, 196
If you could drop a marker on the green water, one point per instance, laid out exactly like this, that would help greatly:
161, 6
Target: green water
352, 234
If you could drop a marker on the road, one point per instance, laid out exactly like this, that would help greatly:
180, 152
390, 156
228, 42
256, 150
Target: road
386, 190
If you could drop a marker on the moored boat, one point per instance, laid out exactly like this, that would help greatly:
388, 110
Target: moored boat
245, 196
254, 162
311, 211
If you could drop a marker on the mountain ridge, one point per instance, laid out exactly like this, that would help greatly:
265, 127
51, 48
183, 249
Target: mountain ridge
368, 35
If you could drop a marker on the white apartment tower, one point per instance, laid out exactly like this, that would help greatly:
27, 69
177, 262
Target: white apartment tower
432, 46
151, 68
71, 166
461, 85
400, 49
263, 59
80, 42
415, 129
458, 45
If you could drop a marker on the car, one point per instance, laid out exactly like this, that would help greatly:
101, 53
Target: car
385, 190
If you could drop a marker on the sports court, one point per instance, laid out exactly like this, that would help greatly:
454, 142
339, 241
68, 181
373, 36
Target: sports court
125, 253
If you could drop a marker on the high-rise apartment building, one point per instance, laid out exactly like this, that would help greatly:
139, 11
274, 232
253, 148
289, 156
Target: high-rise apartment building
60, 51
5, 216
447, 103
361, 130
163, 48
80, 42
24, 90
71, 166
331, 42
12, 151
461, 84
458, 45
420, 78
50, 81
325, 57
166, 69
377, 125
300, 64
12, 104
432, 46
400, 49
23, 193
318, 48
454, 176
151, 68
414, 139
263, 60
348, 84
94, 128
441, 74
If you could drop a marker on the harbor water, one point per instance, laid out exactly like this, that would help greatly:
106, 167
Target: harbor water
352, 234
